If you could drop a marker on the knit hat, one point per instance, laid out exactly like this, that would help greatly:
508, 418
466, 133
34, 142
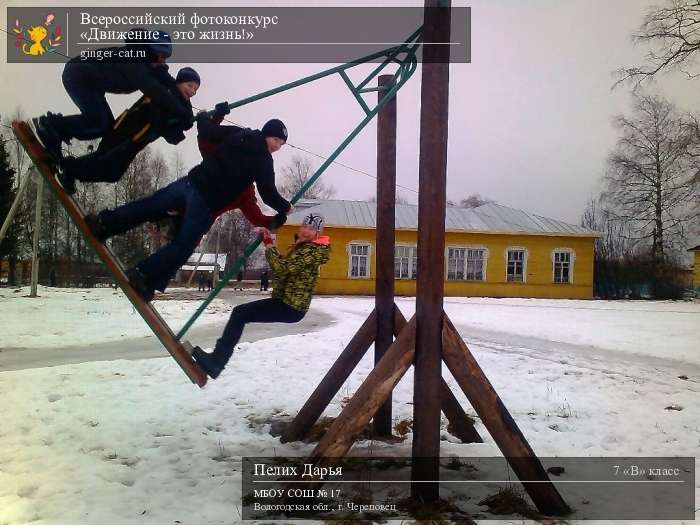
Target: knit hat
275, 128
315, 221
187, 74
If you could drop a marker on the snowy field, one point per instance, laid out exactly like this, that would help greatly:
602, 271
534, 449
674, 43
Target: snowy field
68, 316
128, 442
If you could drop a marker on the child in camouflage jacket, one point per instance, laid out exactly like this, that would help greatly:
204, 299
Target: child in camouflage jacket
295, 275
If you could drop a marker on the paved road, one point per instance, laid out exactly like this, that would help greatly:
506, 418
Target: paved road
149, 347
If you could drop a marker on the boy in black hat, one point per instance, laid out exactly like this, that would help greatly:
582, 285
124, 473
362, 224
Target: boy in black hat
138, 66
134, 129
243, 158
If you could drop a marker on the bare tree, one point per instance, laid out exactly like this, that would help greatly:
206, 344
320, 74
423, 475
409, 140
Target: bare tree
673, 33
651, 173
178, 164
399, 199
474, 201
297, 175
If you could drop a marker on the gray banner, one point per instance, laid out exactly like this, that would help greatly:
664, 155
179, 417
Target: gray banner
631, 488
227, 34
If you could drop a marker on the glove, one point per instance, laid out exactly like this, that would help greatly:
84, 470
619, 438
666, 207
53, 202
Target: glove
222, 109
174, 137
264, 233
280, 219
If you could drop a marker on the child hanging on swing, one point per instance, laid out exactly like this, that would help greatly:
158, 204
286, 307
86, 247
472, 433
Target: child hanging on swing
134, 129
242, 159
294, 277
137, 66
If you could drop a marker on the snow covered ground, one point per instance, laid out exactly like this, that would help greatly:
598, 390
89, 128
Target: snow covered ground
68, 316
126, 442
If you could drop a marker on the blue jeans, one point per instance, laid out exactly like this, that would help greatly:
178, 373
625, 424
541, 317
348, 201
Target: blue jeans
161, 266
96, 116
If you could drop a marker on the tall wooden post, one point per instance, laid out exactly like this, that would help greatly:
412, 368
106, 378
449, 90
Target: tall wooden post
386, 202
432, 176
37, 232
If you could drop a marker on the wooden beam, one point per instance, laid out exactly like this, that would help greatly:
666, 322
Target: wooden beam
385, 235
332, 381
499, 423
368, 398
461, 423
148, 313
432, 179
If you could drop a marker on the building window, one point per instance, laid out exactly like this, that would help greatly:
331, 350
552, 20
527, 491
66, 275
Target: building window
359, 261
563, 262
466, 264
515, 272
405, 262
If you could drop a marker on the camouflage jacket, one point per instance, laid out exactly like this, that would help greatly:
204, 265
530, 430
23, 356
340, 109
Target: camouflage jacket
295, 274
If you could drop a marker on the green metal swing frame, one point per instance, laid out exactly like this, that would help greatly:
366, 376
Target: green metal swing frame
403, 55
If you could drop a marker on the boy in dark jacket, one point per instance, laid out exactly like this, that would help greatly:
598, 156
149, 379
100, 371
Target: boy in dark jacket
134, 129
210, 135
210, 186
295, 275
138, 66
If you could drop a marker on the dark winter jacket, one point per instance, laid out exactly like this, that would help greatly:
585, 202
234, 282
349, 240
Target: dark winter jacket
295, 274
210, 134
240, 160
127, 76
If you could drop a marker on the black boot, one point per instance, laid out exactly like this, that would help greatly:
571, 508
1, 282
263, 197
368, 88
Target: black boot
48, 137
97, 227
207, 362
137, 280
67, 182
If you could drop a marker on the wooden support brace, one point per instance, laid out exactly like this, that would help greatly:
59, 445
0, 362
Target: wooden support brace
148, 313
332, 381
368, 398
499, 422
461, 423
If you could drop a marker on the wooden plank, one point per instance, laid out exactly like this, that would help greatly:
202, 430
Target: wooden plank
367, 399
385, 235
499, 423
149, 314
432, 179
332, 381
461, 423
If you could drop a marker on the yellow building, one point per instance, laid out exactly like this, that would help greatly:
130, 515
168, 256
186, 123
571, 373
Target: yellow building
696, 267
491, 250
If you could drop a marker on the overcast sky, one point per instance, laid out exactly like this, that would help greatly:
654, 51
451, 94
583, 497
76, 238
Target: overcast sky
530, 117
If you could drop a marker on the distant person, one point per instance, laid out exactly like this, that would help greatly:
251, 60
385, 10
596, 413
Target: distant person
210, 282
201, 281
239, 279
264, 281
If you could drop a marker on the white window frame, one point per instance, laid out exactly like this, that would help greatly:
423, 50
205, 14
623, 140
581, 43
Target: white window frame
572, 259
350, 256
526, 256
410, 260
466, 259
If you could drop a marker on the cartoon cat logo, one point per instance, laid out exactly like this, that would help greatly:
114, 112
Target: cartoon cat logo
31, 40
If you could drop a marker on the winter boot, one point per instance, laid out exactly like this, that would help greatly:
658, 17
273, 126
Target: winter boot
207, 362
137, 280
48, 137
67, 181
97, 227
